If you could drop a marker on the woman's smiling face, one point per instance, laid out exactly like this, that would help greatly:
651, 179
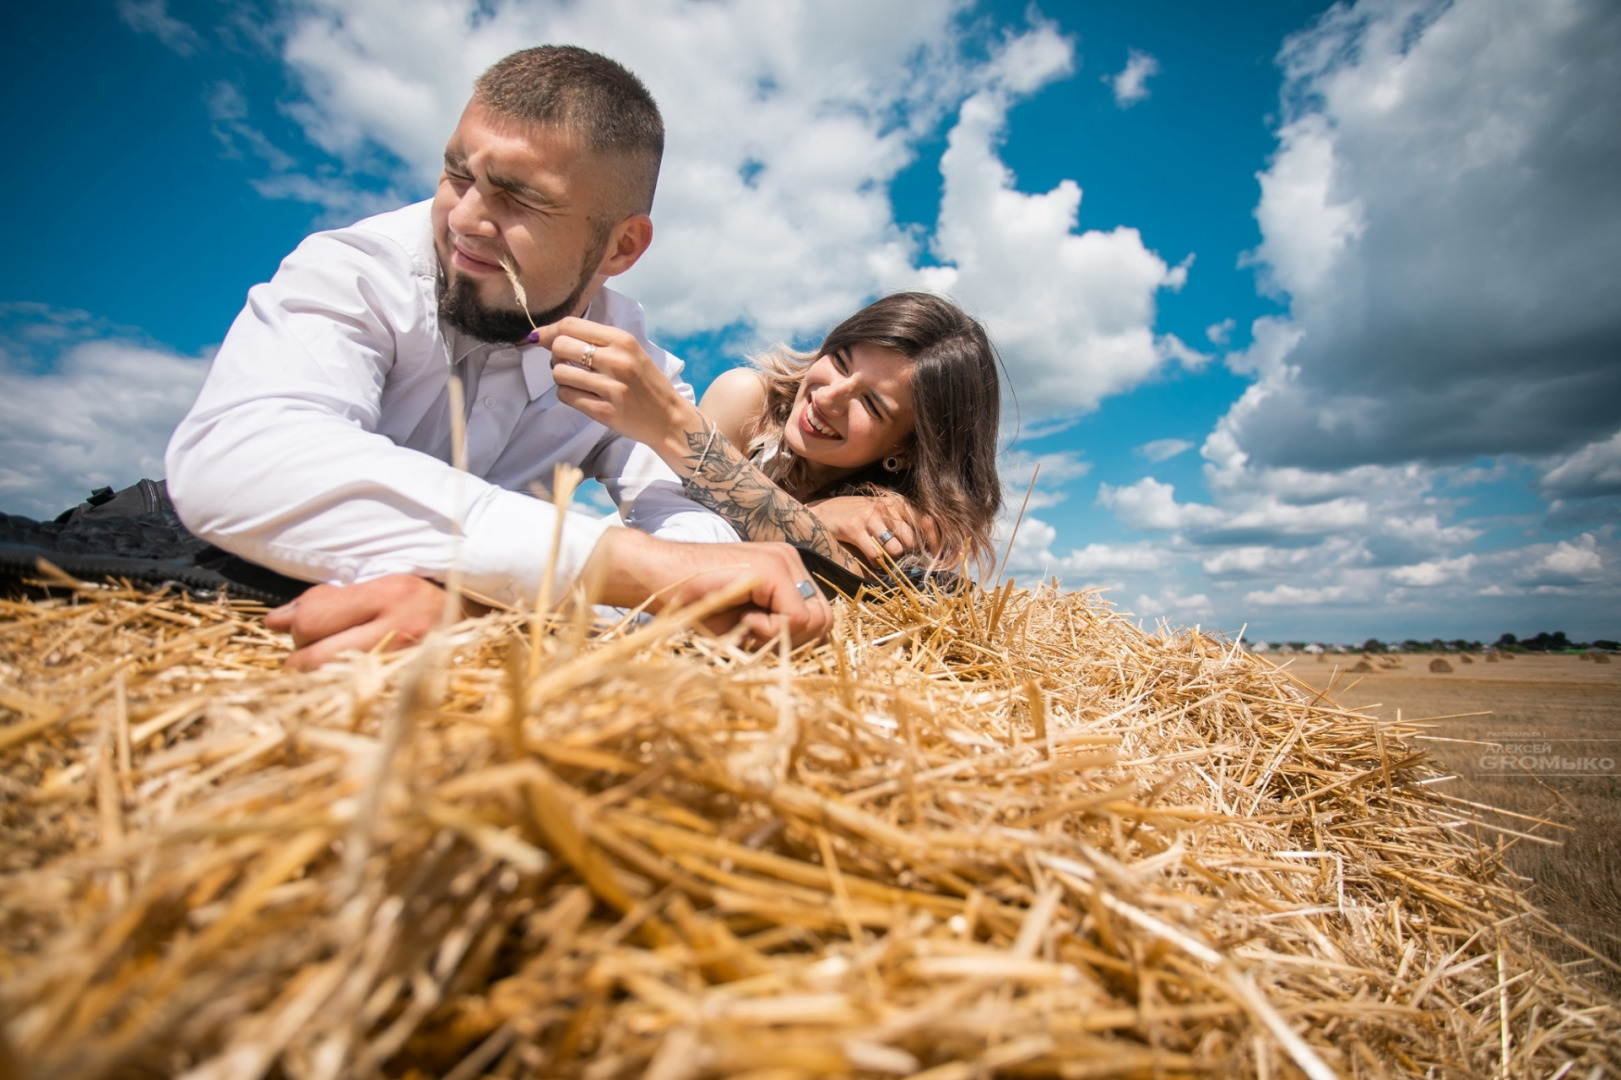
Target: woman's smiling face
853, 407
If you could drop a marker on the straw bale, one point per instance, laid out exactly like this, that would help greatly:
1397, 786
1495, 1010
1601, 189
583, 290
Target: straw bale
1440, 664
1008, 833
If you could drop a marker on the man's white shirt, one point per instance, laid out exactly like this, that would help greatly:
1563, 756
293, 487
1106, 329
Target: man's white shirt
320, 445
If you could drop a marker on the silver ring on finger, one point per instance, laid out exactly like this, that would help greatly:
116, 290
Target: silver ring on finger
587, 355
886, 536
807, 589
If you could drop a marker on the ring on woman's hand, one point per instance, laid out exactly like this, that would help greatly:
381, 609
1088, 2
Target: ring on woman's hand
585, 357
886, 536
807, 589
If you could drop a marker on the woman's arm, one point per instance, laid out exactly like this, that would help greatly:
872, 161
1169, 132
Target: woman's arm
715, 473
622, 390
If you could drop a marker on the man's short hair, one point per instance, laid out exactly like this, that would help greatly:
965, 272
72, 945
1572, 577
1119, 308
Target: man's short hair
567, 86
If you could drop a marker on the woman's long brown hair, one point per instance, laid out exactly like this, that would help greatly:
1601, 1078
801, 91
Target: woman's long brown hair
956, 406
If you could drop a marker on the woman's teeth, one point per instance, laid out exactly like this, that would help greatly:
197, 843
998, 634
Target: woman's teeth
816, 422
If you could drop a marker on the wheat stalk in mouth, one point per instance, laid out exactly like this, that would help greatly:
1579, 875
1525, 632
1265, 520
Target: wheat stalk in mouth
517, 290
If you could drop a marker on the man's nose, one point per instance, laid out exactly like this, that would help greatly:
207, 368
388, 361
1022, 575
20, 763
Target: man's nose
470, 215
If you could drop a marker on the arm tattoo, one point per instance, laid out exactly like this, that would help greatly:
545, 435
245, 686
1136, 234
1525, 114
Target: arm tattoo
722, 479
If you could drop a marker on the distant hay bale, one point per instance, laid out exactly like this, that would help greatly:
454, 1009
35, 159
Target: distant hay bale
1507, 655
1005, 833
1491, 658
1440, 664
1601, 658
1584, 656
1466, 658
1361, 667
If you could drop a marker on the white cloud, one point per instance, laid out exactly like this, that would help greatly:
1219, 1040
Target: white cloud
1253, 560
1040, 477
1149, 504
1072, 313
1594, 470
1294, 596
1220, 333
1031, 545
1370, 550
152, 17
1442, 217
1171, 604
1569, 563
228, 109
1097, 559
79, 410
1174, 348
1130, 84
1434, 572
1304, 229
1163, 449
1299, 554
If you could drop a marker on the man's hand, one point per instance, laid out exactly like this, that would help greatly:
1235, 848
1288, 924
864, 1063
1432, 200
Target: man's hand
330, 619
630, 568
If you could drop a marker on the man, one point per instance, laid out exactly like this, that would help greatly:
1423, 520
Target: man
321, 443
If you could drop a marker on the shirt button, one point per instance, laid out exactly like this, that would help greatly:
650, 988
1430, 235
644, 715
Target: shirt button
489, 403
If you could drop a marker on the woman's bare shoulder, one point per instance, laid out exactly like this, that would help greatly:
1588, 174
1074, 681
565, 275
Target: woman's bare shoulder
734, 401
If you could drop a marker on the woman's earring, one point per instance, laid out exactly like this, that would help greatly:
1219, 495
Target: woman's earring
892, 463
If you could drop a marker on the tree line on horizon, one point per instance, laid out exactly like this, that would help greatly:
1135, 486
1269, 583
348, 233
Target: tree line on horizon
1541, 642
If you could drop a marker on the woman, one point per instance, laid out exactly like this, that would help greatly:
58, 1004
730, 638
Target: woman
884, 439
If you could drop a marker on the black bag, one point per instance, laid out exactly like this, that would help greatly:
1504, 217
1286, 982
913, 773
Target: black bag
134, 534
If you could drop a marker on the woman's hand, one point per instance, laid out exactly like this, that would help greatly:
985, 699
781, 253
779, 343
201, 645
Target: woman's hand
603, 372
861, 520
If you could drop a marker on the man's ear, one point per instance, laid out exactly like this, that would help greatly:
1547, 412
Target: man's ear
626, 243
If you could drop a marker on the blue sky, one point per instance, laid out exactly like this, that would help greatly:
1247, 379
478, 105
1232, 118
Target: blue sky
1310, 312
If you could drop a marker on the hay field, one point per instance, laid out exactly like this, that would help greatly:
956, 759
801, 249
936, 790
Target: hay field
1575, 704
1000, 834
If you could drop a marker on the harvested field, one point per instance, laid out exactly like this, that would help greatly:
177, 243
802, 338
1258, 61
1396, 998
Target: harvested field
1574, 707
1005, 834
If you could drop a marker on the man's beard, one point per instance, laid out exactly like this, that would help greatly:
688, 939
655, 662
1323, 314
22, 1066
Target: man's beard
461, 307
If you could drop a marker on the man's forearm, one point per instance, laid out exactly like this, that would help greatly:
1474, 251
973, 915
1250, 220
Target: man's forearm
768, 588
